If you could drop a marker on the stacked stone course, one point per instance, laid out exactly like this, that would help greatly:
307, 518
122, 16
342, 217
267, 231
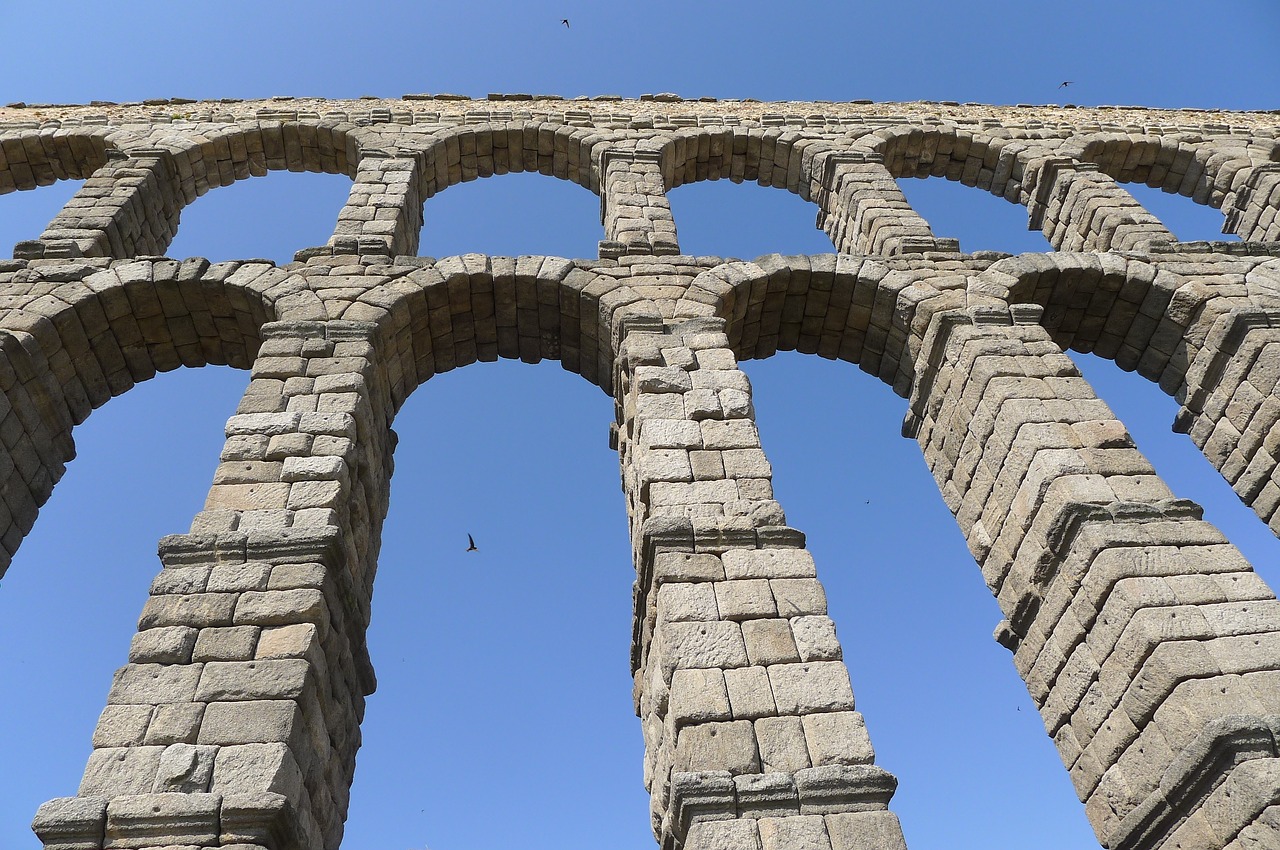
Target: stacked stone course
1150, 646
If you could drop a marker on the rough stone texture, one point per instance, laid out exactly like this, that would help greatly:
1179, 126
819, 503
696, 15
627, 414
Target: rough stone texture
1151, 648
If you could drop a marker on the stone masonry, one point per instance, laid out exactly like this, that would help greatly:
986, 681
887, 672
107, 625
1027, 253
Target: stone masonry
1150, 646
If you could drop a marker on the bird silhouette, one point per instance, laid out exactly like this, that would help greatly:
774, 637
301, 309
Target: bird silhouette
1066, 83
471, 544
565, 21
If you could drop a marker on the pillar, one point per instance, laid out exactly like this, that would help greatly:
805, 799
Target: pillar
383, 213
752, 739
1254, 214
128, 208
1149, 644
236, 720
1079, 208
863, 210
633, 205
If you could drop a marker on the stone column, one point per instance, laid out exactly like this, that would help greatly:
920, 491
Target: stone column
863, 210
128, 208
236, 720
1254, 214
633, 205
752, 740
1078, 208
1232, 407
1149, 644
35, 437
383, 213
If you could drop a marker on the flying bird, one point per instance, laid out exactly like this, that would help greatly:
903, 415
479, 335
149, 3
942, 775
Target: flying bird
471, 544
565, 21
1066, 83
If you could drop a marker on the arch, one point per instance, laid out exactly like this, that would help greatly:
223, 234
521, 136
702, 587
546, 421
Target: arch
31, 158
836, 306
435, 318
465, 153
73, 338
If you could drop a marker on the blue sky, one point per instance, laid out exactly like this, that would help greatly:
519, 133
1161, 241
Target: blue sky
503, 713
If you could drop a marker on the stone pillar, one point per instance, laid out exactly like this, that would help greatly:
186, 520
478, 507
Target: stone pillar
752, 740
383, 213
1078, 208
1232, 406
1254, 214
236, 720
863, 210
35, 437
128, 208
633, 205
1149, 644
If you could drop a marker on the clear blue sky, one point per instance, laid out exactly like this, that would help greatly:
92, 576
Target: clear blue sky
503, 716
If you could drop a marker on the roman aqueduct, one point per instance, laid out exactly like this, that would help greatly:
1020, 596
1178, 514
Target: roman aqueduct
1149, 644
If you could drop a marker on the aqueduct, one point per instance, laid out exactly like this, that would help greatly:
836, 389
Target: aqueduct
1149, 644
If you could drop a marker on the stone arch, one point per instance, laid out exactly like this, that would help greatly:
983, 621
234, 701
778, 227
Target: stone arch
76, 339
995, 164
471, 151
481, 308
31, 158
838, 307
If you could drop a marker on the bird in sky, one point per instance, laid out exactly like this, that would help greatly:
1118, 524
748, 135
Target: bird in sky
471, 544
1066, 83
565, 21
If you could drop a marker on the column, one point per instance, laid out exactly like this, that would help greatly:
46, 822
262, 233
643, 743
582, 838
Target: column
633, 205
236, 720
1078, 208
1149, 644
863, 210
752, 739
1254, 214
383, 213
1231, 406
128, 208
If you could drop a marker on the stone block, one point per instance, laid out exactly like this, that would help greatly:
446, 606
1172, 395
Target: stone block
153, 684
683, 567
865, 831
698, 696
737, 834
750, 695
256, 768
811, 687
184, 768
285, 678
781, 742
72, 823
227, 643
717, 746
122, 725
815, 638
250, 722
687, 602
282, 607
716, 644
798, 597
234, 578
768, 563
838, 737
799, 832
197, 610
116, 771
769, 642
296, 641
163, 645
146, 820
745, 599
175, 723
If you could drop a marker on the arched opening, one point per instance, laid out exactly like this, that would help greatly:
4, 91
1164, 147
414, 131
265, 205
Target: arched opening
719, 218
1148, 412
288, 211
514, 214
1189, 221
25, 214
70, 601
945, 709
980, 220
503, 682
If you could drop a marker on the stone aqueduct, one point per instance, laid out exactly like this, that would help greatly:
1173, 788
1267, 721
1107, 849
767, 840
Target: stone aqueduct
1149, 644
